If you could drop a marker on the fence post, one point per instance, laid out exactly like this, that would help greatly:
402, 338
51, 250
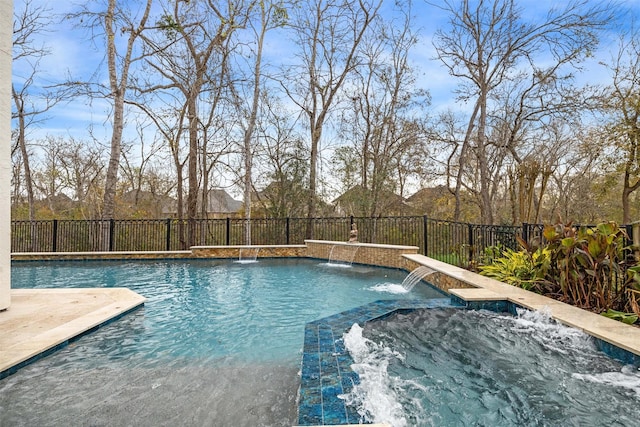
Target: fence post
471, 242
55, 236
424, 233
525, 232
287, 230
168, 237
112, 224
228, 231
634, 235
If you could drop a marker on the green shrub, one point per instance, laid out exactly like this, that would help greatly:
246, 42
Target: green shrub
585, 267
519, 268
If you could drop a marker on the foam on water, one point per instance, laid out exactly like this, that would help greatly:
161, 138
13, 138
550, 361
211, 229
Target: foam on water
628, 378
375, 397
456, 367
336, 265
390, 288
246, 261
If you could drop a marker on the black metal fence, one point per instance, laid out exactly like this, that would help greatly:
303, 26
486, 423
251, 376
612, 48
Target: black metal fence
456, 243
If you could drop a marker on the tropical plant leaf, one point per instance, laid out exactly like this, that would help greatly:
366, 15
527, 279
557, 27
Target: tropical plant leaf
628, 318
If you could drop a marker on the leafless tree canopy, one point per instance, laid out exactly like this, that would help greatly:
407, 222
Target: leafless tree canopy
319, 108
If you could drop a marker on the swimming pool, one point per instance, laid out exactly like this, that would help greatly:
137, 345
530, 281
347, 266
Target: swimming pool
449, 367
217, 343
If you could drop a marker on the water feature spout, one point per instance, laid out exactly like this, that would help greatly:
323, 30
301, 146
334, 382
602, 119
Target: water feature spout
248, 255
342, 255
416, 276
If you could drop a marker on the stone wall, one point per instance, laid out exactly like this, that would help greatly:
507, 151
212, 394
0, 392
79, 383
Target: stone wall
439, 279
360, 253
97, 256
195, 252
289, 251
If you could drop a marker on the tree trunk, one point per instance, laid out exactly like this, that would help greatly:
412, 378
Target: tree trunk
27, 169
248, 134
311, 202
192, 196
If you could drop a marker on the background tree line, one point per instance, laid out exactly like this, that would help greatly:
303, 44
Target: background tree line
296, 105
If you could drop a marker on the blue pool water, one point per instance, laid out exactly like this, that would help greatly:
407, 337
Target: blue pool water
451, 367
217, 343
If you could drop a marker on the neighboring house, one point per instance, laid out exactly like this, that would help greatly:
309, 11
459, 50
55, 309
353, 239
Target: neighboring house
358, 201
434, 202
149, 205
58, 205
288, 199
221, 205
143, 203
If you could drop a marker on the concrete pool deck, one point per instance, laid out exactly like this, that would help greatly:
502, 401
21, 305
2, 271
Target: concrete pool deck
43, 320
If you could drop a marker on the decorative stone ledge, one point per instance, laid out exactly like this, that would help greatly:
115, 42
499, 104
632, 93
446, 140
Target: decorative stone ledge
360, 253
263, 251
98, 256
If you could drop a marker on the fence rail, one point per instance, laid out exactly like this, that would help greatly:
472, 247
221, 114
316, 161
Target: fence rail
456, 243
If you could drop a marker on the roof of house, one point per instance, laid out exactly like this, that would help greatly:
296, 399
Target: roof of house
219, 201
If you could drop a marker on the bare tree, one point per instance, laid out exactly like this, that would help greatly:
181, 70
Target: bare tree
191, 58
282, 160
31, 101
329, 35
622, 103
386, 122
488, 45
82, 172
120, 25
576, 176
119, 66
48, 178
122, 28
268, 15
134, 171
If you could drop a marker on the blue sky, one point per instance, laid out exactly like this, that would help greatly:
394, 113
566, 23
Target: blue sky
72, 53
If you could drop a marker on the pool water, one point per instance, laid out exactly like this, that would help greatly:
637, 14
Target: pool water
450, 367
217, 343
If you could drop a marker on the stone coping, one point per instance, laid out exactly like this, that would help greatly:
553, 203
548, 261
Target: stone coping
194, 252
248, 247
40, 321
616, 333
365, 245
101, 254
106, 256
